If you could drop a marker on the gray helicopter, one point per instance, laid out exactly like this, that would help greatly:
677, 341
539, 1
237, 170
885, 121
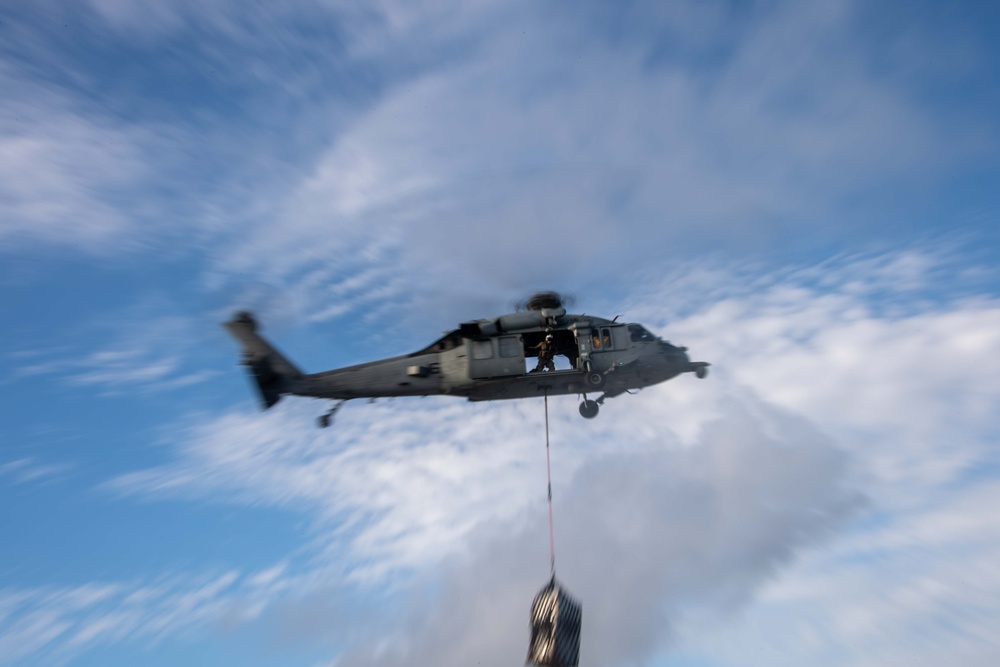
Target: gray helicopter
486, 360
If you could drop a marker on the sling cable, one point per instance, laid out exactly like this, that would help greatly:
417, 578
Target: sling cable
555, 616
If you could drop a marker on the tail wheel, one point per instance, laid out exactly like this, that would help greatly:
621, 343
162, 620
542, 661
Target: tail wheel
589, 409
595, 380
701, 372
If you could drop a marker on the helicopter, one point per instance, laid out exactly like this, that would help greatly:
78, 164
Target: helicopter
485, 360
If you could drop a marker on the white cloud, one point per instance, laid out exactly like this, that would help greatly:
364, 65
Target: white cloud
910, 589
548, 153
710, 496
64, 174
646, 537
411, 485
890, 358
27, 469
408, 465
425, 488
911, 392
55, 625
553, 155
141, 348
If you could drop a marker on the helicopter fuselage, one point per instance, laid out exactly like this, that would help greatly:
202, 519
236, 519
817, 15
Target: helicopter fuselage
487, 360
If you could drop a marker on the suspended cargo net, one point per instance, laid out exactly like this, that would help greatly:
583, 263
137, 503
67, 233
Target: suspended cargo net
555, 628
555, 616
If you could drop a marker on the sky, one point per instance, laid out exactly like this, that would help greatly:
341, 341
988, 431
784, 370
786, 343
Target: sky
804, 194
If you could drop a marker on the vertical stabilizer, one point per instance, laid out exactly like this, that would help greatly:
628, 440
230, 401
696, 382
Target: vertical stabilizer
271, 371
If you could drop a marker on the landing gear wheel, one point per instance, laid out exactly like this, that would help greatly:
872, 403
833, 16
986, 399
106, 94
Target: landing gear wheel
589, 409
323, 421
701, 372
595, 380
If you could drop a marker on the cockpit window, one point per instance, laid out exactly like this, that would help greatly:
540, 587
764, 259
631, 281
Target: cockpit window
639, 333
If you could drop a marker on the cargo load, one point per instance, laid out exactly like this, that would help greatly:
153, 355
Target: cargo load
555, 628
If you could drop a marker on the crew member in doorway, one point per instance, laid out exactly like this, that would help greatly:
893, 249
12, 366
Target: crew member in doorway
545, 352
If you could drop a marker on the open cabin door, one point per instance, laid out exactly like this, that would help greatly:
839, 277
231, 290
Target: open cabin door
501, 356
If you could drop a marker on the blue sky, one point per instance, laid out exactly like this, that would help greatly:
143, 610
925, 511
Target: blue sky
805, 194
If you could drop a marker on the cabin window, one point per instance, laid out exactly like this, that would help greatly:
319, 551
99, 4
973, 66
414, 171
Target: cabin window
596, 340
482, 349
606, 338
510, 347
639, 333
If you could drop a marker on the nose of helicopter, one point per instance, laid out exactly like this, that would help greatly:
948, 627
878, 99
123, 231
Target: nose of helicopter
674, 353
679, 360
